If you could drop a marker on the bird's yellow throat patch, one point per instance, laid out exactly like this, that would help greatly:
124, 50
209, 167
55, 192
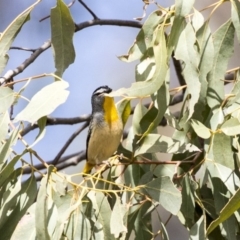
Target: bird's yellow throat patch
110, 111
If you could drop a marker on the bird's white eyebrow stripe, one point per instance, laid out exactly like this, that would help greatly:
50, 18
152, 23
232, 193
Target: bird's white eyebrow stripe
101, 90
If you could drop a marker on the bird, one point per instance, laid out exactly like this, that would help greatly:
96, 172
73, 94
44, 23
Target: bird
105, 129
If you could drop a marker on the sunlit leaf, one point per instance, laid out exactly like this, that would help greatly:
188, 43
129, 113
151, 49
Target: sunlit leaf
144, 37
231, 127
200, 129
6, 98
4, 121
8, 36
44, 102
235, 14
117, 218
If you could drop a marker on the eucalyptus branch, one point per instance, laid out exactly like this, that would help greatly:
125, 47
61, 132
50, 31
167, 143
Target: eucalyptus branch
109, 22
11, 73
88, 9
57, 121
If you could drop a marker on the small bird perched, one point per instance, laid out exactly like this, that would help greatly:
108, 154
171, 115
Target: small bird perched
105, 129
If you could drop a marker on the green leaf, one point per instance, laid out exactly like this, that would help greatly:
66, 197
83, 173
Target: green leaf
163, 191
104, 215
143, 89
186, 51
235, 15
144, 38
26, 227
197, 20
44, 102
222, 150
231, 127
223, 40
124, 110
206, 52
188, 201
158, 143
42, 130
221, 197
8, 168
9, 34
117, 218
182, 8
227, 211
197, 232
6, 98
43, 206
4, 121
62, 28
200, 129
78, 226
161, 101
16, 204
5, 149
146, 68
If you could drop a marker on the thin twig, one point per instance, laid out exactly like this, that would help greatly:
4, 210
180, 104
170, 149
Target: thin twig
11, 73
110, 22
88, 9
24, 49
57, 121
69, 141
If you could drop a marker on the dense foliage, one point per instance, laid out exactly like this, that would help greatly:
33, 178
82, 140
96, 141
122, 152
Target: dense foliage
200, 184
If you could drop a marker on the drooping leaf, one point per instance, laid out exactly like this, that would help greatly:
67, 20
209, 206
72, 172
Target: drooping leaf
223, 40
182, 8
43, 206
228, 210
62, 28
8, 168
4, 121
186, 52
117, 218
5, 149
221, 197
200, 129
6, 98
163, 191
8, 36
235, 15
161, 101
222, 150
188, 201
19, 200
142, 89
206, 52
44, 102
